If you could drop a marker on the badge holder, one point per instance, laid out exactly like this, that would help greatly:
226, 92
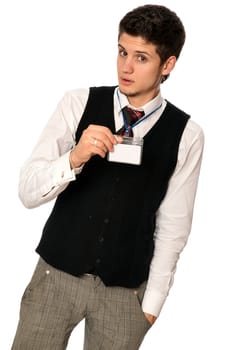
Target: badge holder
129, 151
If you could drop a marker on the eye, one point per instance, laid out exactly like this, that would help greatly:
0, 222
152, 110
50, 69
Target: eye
141, 58
122, 53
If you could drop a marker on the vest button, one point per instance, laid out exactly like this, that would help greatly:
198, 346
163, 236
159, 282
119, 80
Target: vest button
101, 239
106, 221
98, 261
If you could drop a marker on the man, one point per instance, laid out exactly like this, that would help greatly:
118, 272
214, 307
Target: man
123, 212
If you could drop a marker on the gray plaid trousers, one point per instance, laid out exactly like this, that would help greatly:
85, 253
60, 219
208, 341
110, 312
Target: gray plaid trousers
54, 302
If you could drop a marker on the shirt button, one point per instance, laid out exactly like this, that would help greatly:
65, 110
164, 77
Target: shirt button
62, 174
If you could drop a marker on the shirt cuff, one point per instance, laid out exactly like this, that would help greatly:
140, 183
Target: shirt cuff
153, 302
62, 172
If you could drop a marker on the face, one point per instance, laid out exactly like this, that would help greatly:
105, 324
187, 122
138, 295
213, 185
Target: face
139, 69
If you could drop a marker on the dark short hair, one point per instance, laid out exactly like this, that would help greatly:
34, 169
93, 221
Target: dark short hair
157, 25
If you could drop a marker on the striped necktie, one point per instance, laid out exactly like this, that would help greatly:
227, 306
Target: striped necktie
131, 116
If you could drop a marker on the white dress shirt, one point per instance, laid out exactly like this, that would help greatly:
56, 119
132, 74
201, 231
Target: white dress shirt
47, 173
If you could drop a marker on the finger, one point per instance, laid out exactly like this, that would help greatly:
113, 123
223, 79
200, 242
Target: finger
99, 144
95, 142
103, 142
102, 133
100, 140
98, 151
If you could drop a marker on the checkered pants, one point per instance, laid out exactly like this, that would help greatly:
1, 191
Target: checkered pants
55, 302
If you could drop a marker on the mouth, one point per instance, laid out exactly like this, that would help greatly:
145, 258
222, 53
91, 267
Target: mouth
125, 81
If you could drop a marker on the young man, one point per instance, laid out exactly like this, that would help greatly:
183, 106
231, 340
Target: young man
109, 249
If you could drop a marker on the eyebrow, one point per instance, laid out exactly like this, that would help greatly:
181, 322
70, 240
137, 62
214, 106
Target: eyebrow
137, 51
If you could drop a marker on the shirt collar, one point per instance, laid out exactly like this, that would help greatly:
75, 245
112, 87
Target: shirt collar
147, 108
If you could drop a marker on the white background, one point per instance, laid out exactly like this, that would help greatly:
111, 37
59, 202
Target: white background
51, 46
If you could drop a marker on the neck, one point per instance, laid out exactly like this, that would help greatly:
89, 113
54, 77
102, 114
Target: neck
139, 101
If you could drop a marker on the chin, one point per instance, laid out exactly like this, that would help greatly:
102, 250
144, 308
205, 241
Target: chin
126, 91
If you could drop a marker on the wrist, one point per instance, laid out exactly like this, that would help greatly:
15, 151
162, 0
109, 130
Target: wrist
74, 163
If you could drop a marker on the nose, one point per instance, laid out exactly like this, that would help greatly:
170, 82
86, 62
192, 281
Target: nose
127, 66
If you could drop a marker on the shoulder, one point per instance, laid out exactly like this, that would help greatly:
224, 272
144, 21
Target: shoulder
192, 129
171, 108
193, 135
79, 96
192, 139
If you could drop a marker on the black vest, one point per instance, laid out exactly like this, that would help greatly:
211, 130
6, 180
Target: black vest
106, 218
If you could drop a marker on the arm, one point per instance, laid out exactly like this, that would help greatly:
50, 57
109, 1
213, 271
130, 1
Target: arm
47, 172
56, 159
174, 220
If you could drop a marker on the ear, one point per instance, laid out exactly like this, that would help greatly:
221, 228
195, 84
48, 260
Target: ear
168, 65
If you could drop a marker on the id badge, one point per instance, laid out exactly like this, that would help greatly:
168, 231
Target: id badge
129, 151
